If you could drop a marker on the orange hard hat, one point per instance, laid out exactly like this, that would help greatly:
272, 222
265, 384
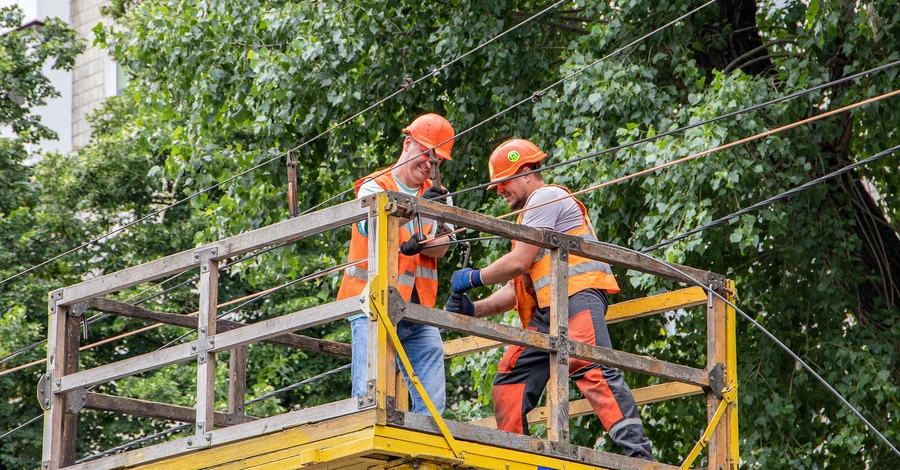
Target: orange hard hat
430, 130
512, 155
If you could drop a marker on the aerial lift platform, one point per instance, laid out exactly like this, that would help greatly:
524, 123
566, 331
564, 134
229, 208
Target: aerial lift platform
375, 431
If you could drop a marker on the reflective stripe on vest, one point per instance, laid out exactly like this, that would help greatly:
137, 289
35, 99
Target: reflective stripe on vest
414, 272
584, 273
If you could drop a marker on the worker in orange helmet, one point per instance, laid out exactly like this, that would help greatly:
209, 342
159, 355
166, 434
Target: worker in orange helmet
524, 272
429, 135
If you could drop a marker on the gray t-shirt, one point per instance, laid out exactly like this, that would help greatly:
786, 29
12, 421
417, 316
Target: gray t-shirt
561, 216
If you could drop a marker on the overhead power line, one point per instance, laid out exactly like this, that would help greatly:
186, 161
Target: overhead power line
685, 128
773, 199
535, 97
407, 85
765, 332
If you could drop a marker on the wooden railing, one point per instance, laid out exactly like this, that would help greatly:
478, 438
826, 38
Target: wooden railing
64, 389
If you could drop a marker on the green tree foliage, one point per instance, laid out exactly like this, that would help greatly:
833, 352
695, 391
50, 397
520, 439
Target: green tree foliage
218, 87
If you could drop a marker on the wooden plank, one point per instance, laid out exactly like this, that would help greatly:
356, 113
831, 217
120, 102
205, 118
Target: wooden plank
305, 343
285, 231
618, 312
267, 329
641, 364
541, 342
70, 365
237, 383
126, 367
519, 442
147, 409
558, 385
55, 416
206, 330
613, 255
642, 396
270, 434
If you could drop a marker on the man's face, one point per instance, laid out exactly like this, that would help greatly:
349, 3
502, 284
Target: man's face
515, 192
419, 168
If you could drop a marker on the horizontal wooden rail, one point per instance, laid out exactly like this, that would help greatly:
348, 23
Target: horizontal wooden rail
305, 343
642, 396
285, 231
610, 254
150, 409
627, 310
260, 331
541, 342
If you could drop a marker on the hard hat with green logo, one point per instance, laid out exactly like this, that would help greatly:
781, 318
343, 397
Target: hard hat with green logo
510, 156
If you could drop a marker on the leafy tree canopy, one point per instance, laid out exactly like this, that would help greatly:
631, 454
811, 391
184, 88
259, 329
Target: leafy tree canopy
220, 86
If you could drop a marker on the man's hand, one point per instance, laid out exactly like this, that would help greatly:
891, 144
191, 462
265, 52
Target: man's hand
461, 304
436, 193
465, 279
413, 246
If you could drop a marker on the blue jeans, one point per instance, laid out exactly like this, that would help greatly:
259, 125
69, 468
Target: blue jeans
425, 349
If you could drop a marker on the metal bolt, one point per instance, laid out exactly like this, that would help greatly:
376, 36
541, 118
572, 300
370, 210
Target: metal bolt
371, 398
196, 255
193, 347
208, 436
359, 401
47, 401
190, 442
58, 382
46, 465
370, 384
203, 329
210, 341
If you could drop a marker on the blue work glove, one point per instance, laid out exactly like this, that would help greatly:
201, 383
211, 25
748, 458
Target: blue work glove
413, 246
437, 194
461, 304
465, 279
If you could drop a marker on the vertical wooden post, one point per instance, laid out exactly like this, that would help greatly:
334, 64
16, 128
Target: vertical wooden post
62, 358
558, 386
383, 251
293, 206
206, 330
237, 384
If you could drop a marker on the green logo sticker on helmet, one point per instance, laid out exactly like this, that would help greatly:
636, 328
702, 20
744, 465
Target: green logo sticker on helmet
513, 156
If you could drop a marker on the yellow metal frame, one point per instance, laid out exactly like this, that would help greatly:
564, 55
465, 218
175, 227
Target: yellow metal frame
379, 285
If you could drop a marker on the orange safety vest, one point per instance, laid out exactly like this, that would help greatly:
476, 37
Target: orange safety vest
533, 287
417, 271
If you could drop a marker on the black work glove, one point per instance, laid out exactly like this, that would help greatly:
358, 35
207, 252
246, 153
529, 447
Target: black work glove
461, 304
436, 193
412, 247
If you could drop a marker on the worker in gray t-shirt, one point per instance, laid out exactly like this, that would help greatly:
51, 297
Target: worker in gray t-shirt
525, 276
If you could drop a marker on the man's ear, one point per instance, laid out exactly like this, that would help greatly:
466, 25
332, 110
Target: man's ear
407, 142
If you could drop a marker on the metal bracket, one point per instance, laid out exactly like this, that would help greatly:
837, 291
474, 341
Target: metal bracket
55, 297
43, 390
364, 304
78, 310
368, 400
562, 345
396, 306
198, 441
394, 416
75, 400
204, 256
203, 345
717, 379
562, 240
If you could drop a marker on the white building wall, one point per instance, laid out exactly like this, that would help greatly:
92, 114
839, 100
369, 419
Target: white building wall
57, 113
89, 87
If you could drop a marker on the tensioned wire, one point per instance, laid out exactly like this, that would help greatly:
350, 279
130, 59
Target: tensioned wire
773, 199
171, 430
536, 96
331, 129
764, 331
252, 298
99, 317
683, 129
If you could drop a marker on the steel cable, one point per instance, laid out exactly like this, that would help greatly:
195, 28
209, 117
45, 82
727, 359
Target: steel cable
294, 149
773, 199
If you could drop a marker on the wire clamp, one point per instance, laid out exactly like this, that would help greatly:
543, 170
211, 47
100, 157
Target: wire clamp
407, 83
43, 390
537, 97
